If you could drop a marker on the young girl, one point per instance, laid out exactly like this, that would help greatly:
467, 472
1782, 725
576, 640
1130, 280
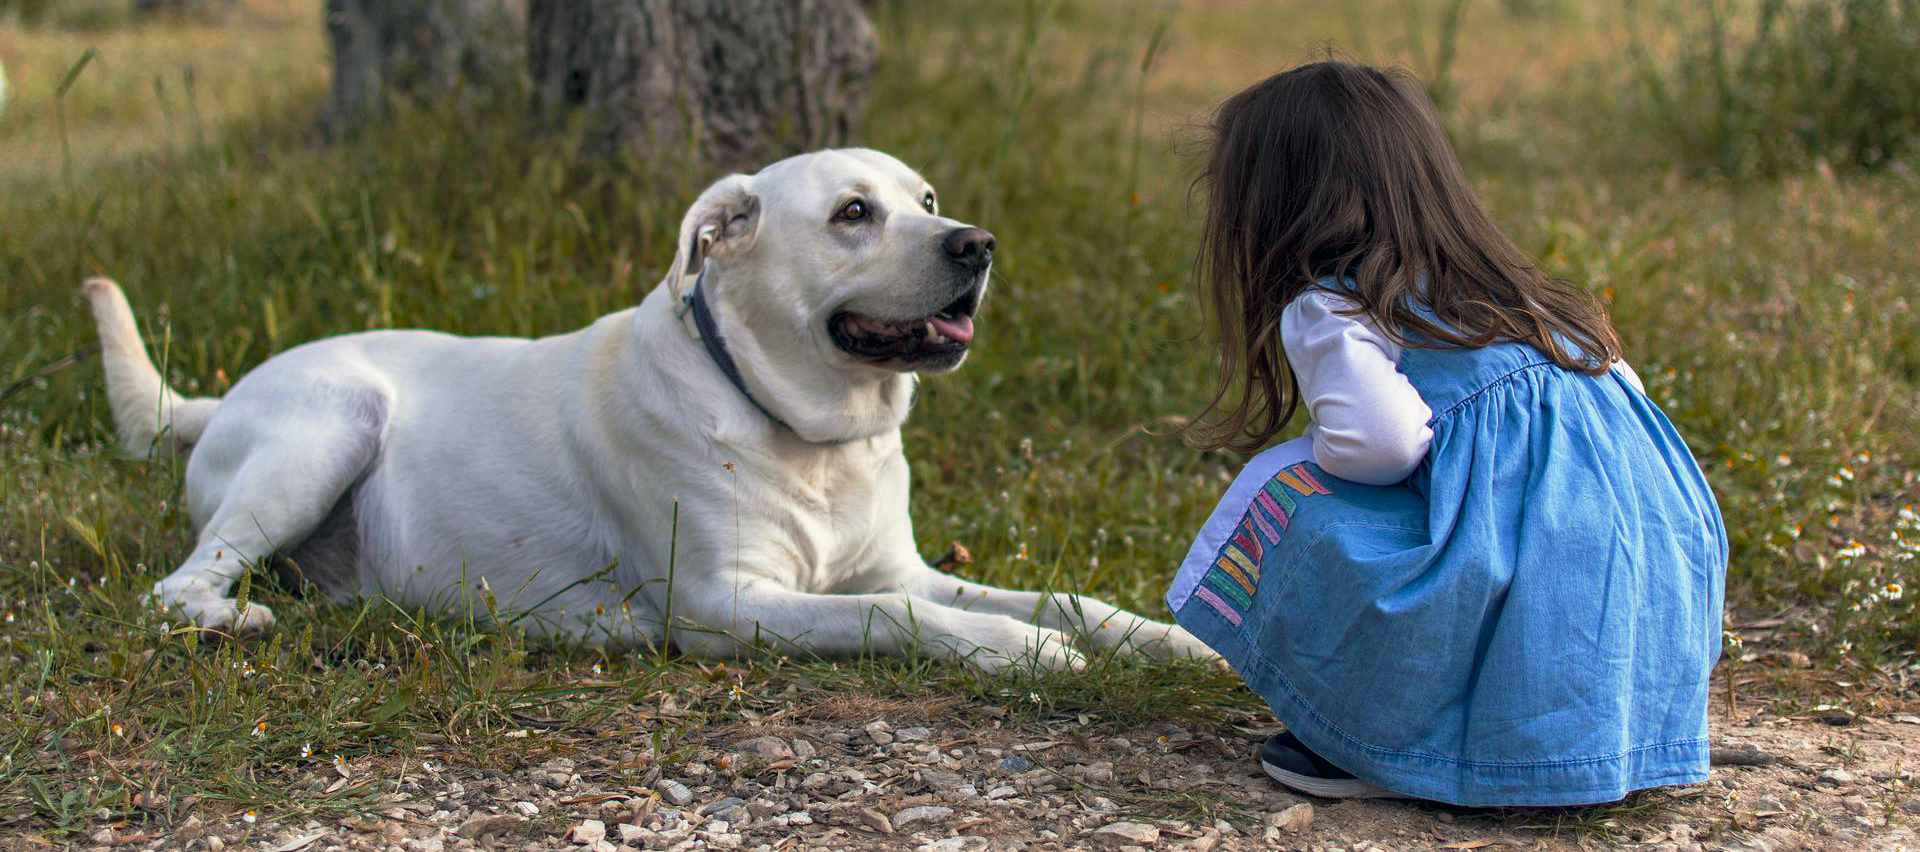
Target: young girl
1489, 573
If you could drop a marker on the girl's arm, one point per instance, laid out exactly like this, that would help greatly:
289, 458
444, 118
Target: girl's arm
1369, 424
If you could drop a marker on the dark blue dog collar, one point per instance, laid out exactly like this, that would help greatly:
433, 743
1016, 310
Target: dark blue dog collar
696, 301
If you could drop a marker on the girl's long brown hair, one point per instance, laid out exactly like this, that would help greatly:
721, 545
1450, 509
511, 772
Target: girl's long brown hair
1339, 171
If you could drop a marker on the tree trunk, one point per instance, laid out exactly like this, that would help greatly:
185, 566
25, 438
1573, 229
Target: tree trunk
729, 82
424, 49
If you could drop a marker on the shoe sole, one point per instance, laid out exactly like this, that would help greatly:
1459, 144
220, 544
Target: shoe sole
1327, 788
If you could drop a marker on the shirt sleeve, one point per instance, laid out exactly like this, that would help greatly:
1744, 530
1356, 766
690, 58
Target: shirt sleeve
1626, 372
1369, 424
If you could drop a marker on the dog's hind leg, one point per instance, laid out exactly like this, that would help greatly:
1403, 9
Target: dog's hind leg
276, 478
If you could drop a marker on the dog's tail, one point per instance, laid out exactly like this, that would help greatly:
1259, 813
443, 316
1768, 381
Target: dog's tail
150, 417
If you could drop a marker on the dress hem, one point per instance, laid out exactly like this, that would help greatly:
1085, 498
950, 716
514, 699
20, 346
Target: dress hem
1544, 783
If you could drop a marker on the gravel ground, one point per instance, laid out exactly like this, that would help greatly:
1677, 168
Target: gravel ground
925, 778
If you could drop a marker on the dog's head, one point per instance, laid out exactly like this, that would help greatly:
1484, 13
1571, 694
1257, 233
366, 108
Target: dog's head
833, 277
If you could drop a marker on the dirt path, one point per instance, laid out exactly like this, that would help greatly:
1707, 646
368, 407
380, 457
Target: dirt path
890, 775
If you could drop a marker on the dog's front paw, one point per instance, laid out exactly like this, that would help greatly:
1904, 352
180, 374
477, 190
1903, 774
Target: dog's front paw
1031, 648
1053, 651
1171, 642
222, 614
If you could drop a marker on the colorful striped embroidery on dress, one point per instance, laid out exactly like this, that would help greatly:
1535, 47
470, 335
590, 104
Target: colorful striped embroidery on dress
1230, 584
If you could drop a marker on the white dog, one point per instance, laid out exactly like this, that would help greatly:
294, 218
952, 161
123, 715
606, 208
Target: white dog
719, 466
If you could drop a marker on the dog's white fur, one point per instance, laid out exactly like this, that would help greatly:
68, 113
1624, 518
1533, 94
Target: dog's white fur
546, 473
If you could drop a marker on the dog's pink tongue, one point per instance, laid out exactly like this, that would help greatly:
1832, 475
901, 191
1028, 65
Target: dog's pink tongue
957, 330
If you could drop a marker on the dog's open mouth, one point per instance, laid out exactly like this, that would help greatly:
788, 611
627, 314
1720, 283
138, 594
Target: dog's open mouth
941, 335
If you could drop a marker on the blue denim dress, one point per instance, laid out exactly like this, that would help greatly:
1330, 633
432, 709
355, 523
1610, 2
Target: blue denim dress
1530, 619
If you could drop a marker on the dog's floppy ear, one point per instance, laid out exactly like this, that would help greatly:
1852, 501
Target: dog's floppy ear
721, 221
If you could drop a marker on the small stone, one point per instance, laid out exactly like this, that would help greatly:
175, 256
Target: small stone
771, 748
1292, 820
963, 843
1858, 804
804, 750
1117, 834
103, 837
1002, 792
526, 809
915, 734
588, 832
1100, 772
1836, 777
880, 732
1739, 757
877, 820
633, 835
674, 792
922, 813
1015, 763
942, 781
481, 825
215, 844
189, 830
720, 808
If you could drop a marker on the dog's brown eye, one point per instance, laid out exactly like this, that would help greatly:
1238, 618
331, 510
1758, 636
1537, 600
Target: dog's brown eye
927, 202
854, 211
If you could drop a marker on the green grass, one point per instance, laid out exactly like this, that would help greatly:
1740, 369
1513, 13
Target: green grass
1771, 319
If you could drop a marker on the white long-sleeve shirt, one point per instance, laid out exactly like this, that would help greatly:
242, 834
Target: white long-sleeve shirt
1368, 424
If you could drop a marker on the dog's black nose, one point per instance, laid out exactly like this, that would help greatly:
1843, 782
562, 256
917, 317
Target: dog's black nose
969, 247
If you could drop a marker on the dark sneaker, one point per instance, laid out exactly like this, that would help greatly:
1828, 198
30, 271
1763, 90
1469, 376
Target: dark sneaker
1288, 761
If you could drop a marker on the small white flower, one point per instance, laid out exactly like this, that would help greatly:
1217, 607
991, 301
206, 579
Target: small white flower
249, 817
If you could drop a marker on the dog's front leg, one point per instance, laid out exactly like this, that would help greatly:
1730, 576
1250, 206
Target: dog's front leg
721, 622
1102, 624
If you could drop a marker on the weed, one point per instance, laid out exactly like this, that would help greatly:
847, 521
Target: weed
1769, 90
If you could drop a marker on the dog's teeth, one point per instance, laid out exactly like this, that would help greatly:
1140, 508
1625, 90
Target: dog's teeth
931, 332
